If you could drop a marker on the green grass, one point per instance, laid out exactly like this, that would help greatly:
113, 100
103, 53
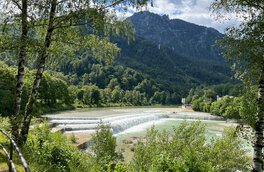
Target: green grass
3, 159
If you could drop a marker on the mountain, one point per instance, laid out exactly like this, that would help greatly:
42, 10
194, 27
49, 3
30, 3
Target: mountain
176, 54
182, 37
166, 60
170, 56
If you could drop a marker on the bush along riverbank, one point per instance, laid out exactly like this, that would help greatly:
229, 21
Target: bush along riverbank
215, 100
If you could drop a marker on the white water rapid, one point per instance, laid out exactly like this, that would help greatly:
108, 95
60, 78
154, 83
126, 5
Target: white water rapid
118, 123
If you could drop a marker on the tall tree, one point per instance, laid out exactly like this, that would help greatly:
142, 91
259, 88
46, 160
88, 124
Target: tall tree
12, 9
68, 15
244, 48
39, 73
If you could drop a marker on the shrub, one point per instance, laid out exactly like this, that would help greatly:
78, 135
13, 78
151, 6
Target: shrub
4, 123
72, 138
47, 151
186, 149
104, 143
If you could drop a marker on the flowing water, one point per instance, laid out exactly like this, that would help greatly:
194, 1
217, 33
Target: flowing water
133, 122
121, 119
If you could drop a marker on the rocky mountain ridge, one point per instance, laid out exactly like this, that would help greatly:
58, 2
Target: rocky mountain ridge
186, 39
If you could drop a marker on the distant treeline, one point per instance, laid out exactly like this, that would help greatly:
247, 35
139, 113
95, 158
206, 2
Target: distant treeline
126, 88
226, 100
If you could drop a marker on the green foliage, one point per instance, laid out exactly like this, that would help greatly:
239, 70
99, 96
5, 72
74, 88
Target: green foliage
204, 99
104, 144
221, 106
227, 154
46, 151
146, 86
117, 95
248, 108
7, 89
135, 98
233, 108
172, 72
186, 150
117, 84
54, 93
73, 138
237, 106
53, 90
210, 92
228, 107
121, 167
216, 108
247, 63
103, 147
113, 83
159, 98
90, 95
4, 123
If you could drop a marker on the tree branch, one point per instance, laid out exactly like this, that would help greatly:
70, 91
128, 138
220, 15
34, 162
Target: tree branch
17, 4
113, 4
255, 5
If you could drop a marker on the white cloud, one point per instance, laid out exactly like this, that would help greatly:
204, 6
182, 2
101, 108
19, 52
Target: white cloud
163, 7
124, 15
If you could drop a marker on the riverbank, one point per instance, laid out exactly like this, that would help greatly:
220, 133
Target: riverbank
63, 108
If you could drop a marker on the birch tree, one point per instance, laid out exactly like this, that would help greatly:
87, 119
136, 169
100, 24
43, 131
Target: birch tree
244, 49
12, 12
49, 28
67, 15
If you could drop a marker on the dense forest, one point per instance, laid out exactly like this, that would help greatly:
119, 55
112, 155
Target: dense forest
123, 87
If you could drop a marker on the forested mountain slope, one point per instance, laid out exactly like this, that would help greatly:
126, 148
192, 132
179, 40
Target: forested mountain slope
166, 60
167, 66
167, 55
176, 54
182, 37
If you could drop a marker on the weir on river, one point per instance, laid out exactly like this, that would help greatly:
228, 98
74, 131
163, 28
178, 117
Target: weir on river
119, 119
118, 123
130, 122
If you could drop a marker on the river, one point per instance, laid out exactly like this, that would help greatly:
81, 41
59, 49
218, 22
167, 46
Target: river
132, 122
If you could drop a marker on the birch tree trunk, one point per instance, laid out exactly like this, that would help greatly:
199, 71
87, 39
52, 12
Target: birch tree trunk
258, 145
38, 77
20, 72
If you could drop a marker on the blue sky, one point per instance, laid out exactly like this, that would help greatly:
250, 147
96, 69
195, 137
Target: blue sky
194, 11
